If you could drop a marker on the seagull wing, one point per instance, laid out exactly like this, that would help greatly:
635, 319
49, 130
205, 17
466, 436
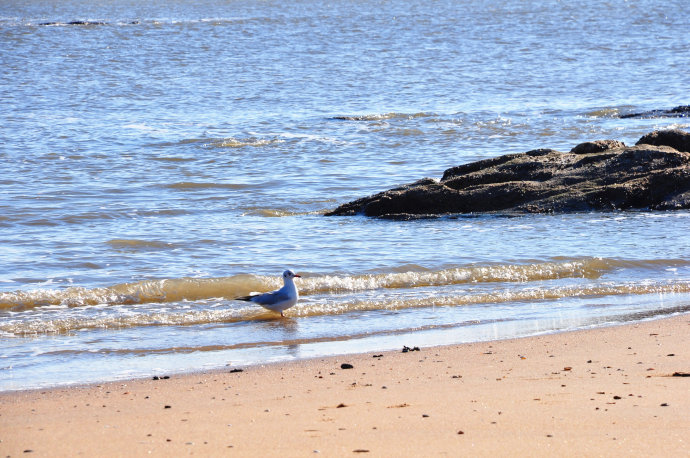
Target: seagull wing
274, 297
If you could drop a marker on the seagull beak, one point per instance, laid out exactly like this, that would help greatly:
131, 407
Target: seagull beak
298, 276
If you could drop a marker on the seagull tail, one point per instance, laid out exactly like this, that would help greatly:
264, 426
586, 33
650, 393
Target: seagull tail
244, 298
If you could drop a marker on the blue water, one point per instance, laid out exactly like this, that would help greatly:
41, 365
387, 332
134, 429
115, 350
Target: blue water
167, 157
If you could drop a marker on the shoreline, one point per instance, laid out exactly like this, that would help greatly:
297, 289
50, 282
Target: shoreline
367, 349
605, 391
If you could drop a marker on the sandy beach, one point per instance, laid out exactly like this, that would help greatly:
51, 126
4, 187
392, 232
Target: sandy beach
614, 391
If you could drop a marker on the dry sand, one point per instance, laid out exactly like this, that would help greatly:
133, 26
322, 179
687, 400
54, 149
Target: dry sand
602, 392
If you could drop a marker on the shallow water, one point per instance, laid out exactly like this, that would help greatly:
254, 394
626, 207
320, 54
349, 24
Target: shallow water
168, 157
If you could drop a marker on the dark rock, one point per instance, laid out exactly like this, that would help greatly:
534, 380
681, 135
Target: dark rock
236, 370
596, 176
73, 23
676, 139
596, 146
682, 111
681, 374
350, 118
346, 366
86, 23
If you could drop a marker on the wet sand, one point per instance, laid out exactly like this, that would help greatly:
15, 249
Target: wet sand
602, 392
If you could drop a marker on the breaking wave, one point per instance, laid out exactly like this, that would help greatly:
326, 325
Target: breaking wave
197, 289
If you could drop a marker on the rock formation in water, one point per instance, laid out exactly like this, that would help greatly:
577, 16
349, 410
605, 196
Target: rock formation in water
54, 23
602, 175
74, 23
682, 111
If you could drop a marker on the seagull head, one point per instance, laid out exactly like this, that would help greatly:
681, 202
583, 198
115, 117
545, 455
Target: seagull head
288, 274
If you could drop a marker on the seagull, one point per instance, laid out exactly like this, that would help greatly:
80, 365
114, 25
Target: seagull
279, 300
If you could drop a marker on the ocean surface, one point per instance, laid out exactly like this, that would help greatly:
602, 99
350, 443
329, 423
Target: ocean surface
161, 158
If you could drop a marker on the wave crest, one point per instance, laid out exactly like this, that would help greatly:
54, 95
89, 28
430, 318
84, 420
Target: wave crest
193, 289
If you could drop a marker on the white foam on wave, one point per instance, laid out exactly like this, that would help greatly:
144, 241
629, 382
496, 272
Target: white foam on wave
220, 310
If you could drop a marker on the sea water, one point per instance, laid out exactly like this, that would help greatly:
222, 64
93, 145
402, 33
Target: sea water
161, 158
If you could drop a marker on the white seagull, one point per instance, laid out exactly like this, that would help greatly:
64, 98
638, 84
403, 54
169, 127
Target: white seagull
279, 300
